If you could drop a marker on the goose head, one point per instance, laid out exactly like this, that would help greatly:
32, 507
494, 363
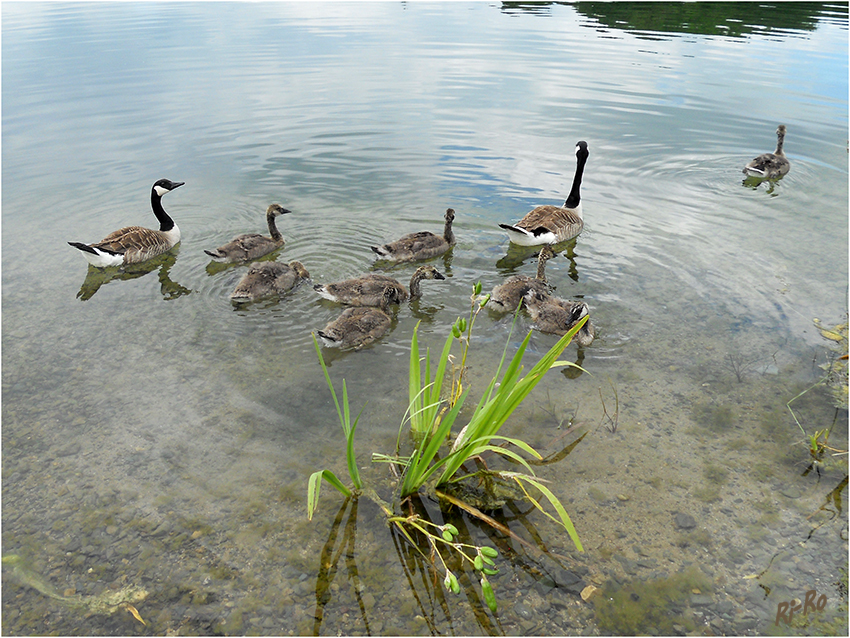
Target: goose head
581, 150
450, 215
163, 186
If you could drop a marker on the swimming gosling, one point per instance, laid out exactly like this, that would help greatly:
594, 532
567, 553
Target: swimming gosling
359, 326
509, 295
369, 289
251, 246
421, 245
770, 165
267, 279
557, 316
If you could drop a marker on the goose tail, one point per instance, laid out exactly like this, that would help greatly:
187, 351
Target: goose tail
217, 254
320, 288
327, 339
523, 237
99, 257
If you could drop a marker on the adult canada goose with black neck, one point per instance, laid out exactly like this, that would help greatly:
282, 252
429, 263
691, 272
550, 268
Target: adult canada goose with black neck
421, 245
251, 246
135, 244
770, 165
553, 224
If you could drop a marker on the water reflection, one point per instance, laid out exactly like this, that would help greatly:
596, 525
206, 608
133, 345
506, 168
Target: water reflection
516, 255
733, 19
170, 289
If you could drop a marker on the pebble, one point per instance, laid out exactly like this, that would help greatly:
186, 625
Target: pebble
523, 611
685, 521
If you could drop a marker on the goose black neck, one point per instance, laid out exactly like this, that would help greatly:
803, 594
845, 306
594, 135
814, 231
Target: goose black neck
574, 197
165, 222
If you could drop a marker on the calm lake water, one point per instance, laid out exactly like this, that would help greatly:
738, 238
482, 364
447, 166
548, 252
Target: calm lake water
156, 436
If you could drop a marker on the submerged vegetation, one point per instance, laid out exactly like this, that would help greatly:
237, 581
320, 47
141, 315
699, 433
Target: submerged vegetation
449, 467
835, 379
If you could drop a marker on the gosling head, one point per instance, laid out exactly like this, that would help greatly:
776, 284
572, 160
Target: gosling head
276, 209
428, 272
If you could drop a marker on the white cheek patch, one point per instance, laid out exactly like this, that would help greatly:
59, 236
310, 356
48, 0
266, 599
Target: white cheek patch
160, 190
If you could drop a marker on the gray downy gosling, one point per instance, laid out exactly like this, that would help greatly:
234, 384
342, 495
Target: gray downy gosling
251, 246
267, 279
421, 245
369, 289
557, 316
770, 165
359, 326
509, 295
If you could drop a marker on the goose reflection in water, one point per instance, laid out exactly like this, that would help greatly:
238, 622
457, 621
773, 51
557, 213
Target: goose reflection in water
517, 255
97, 277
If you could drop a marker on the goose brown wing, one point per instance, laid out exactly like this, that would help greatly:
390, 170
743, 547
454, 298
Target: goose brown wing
135, 241
552, 218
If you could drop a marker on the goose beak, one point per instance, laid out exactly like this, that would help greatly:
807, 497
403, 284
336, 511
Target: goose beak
175, 185
439, 275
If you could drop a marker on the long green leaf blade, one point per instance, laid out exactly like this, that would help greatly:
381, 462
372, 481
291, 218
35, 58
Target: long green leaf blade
314, 484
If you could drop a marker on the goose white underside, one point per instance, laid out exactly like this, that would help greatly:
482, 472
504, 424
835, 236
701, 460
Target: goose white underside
324, 293
101, 258
327, 341
522, 237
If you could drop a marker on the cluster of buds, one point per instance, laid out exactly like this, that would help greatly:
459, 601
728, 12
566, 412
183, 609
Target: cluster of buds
483, 563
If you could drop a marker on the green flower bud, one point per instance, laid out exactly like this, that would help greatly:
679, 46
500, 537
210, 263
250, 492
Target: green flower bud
451, 528
489, 596
492, 552
447, 536
478, 563
476, 289
455, 586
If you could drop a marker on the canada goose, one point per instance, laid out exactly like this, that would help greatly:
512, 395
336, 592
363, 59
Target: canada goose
369, 289
770, 165
135, 244
509, 295
553, 224
557, 316
268, 278
418, 246
251, 246
356, 327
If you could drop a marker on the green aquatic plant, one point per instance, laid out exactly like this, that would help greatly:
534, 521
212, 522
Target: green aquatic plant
434, 468
835, 379
639, 607
105, 603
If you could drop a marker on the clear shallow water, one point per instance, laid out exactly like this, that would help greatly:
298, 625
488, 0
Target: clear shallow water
155, 434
